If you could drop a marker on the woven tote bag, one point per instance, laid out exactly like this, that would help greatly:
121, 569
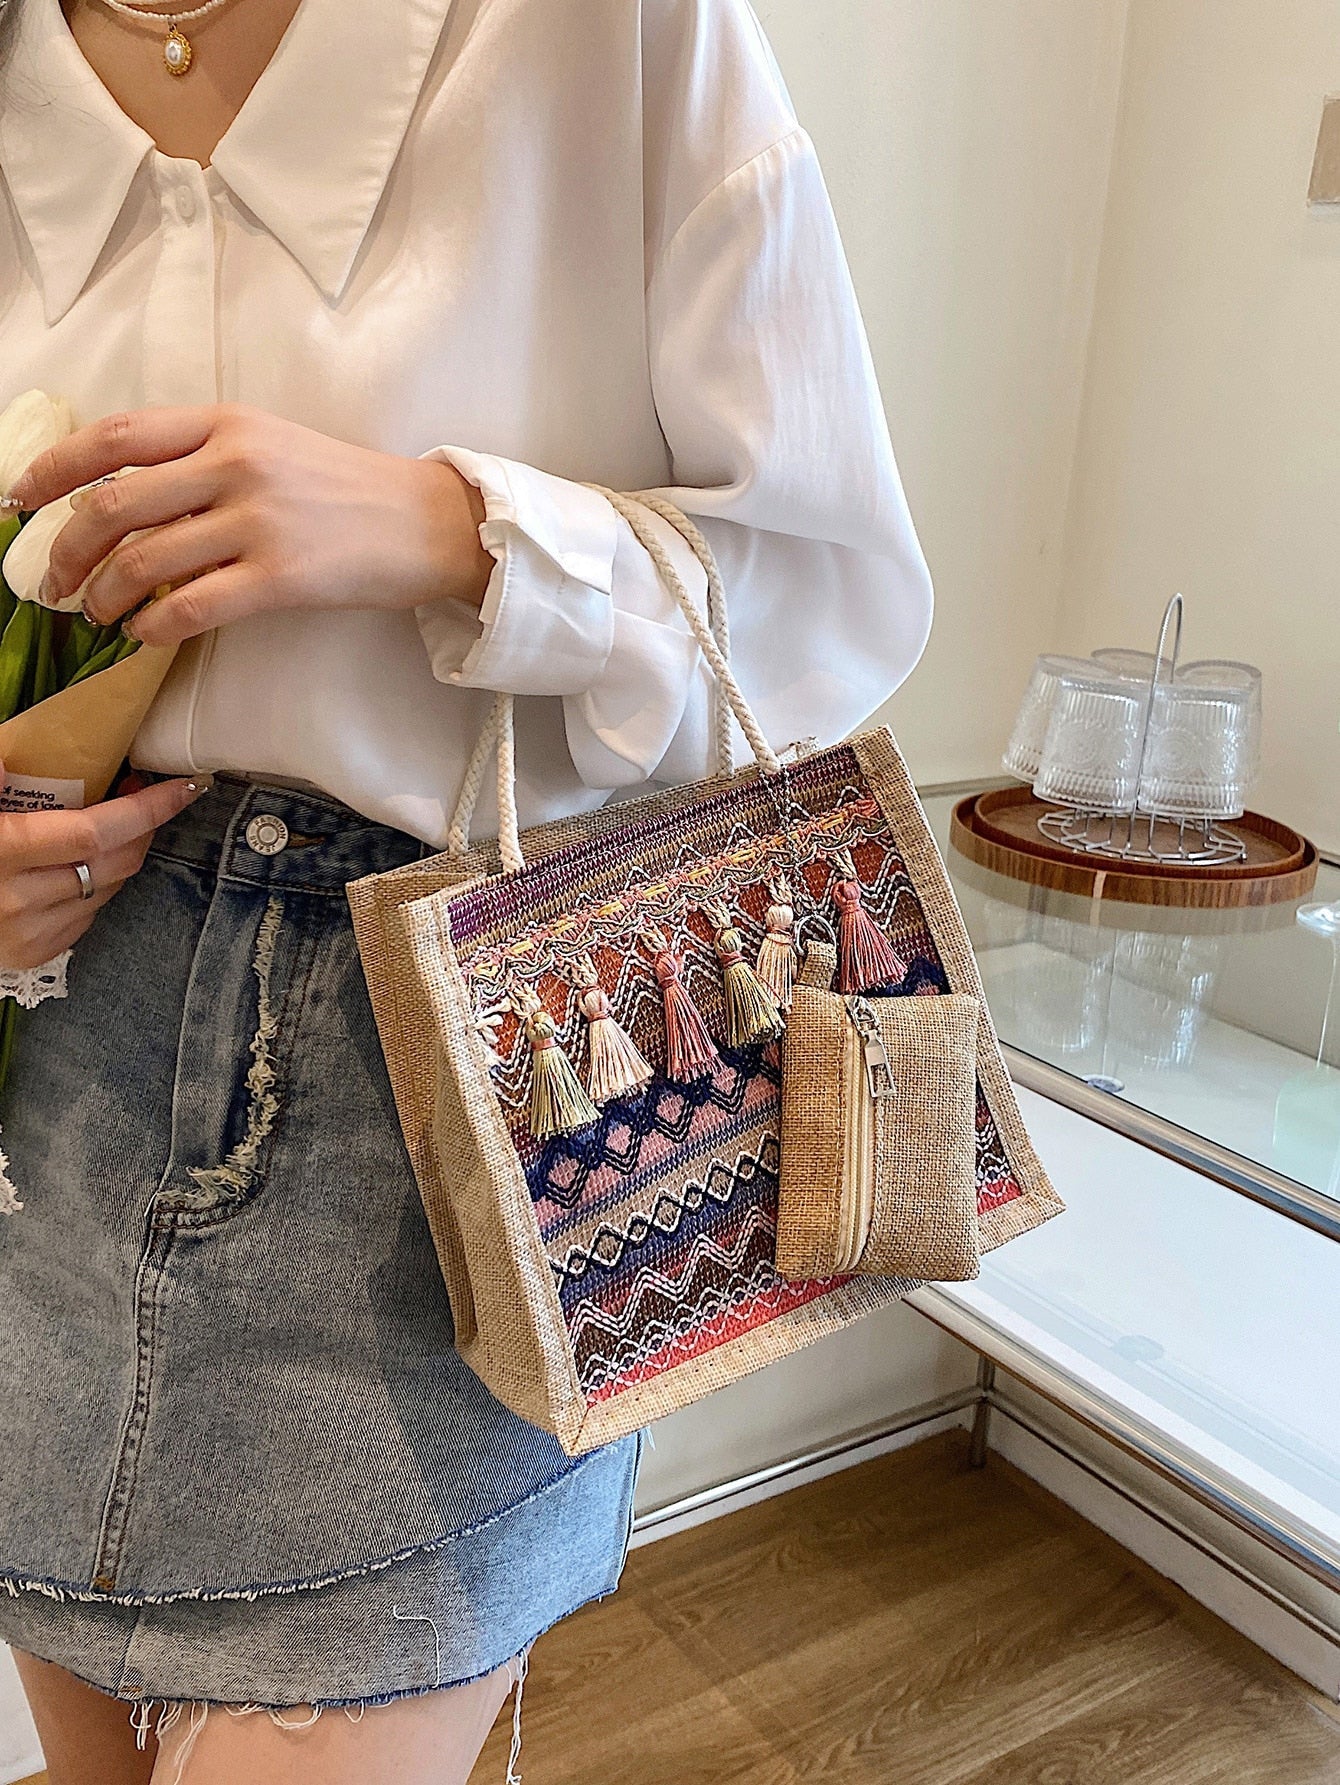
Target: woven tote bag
581, 1025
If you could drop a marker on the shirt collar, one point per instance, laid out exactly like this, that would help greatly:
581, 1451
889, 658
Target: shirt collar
309, 154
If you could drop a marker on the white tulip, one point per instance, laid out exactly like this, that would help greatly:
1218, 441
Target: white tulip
26, 560
25, 563
28, 426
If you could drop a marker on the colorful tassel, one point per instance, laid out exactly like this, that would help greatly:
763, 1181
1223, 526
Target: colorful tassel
558, 1101
617, 1067
752, 1013
690, 1051
777, 951
866, 957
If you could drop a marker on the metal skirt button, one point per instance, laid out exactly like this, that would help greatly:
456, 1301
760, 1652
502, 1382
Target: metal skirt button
267, 834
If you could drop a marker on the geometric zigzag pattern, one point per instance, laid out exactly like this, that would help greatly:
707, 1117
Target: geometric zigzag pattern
668, 1111
718, 1184
689, 1327
713, 1278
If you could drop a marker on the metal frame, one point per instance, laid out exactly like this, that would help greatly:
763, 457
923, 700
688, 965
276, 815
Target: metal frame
1205, 1484
996, 1351
867, 1438
1009, 1410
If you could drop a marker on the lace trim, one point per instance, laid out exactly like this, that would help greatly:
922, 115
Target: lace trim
10, 1202
31, 986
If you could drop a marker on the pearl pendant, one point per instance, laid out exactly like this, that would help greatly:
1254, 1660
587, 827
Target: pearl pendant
176, 52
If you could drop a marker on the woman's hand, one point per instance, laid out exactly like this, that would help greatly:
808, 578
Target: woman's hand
247, 512
42, 910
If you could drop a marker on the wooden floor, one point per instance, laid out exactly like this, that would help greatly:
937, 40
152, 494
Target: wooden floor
908, 1622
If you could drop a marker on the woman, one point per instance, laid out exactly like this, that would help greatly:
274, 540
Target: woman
274, 270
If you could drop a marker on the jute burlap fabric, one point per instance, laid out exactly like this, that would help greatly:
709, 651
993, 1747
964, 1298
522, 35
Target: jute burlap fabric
923, 1220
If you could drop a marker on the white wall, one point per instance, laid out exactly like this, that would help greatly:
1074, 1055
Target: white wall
966, 145
1209, 452
884, 1364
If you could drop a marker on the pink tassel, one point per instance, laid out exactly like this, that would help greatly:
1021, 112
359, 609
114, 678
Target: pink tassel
866, 957
690, 1051
776, 965
617, 1067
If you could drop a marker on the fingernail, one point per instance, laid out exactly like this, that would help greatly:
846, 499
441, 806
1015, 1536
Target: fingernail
130, 629
79, 497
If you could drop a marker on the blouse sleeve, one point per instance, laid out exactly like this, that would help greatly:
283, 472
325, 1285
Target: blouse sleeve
779, 448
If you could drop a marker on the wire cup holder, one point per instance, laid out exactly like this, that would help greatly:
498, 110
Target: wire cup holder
1149, 772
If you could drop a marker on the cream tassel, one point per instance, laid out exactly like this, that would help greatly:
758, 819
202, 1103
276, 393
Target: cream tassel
777, 951
558, 1103
617, 1067
752, 1012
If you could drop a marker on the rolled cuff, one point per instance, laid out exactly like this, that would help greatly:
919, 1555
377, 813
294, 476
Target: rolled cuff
546, 625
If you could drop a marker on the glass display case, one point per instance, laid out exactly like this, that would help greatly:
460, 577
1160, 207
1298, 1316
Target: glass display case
1180, 1073
1222, 1023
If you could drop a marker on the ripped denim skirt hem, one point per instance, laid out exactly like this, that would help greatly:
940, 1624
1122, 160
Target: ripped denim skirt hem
390, 1632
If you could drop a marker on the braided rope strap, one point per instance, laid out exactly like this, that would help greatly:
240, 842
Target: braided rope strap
629, 508
718, 617
713, 638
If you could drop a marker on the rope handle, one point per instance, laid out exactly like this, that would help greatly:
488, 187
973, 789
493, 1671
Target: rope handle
713, 637
717, 616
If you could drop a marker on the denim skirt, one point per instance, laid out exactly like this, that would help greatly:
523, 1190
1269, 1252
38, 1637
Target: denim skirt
243, 1462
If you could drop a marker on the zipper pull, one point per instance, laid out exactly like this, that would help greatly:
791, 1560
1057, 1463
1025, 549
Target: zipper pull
878, 1072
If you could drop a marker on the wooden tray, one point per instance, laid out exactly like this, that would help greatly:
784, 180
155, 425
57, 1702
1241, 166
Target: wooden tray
998, 830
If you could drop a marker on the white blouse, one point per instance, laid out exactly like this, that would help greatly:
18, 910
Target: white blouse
580, 240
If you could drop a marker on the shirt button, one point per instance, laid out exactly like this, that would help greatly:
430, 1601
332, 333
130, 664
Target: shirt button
266, 834
186, 206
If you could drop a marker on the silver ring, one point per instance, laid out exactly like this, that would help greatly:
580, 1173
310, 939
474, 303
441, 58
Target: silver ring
86, 888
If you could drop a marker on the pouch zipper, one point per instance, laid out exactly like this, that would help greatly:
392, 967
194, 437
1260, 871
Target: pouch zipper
869, 1079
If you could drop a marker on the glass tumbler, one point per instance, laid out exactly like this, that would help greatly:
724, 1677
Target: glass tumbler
1198, 764
1023, 753
1091, 753
1131, 666
1223, 672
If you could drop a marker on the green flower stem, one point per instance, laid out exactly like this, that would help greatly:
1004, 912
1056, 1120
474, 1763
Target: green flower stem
17, 650
101, 659
80, 643
44, 659
9, 1022
9, 526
